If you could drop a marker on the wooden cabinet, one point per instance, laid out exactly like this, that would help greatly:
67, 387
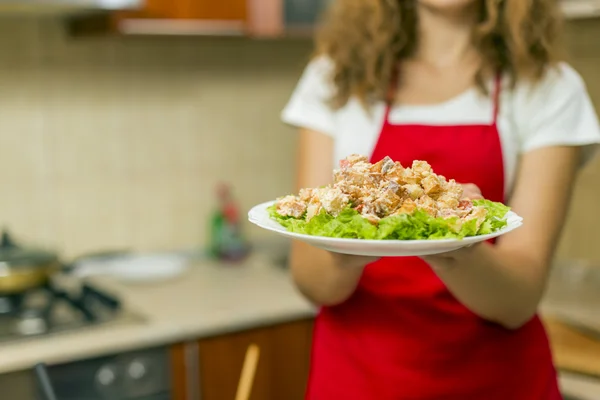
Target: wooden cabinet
210, 369
257, 18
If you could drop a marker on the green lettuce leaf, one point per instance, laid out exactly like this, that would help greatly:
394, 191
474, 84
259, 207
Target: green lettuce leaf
417, 226
495, 218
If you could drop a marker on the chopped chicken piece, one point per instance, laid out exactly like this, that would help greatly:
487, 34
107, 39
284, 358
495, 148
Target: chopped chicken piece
376, 168
355, 192
395, 172
477, 213
421, 168
333, 200
306, 195
446, 213
386, 202
447, 202
367, 205
464, 208
432, 185
357, 158
373, 219
388, 165
313, 209
383, 166
390, 185
291, 206
408, 207
383, 189
408, 177
413, 190
449, 214
339, 175
454, 189
427, 204
356, 178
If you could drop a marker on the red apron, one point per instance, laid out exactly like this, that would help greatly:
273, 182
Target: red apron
402, 335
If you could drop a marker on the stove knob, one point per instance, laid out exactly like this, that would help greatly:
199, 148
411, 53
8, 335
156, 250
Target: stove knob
106, 376
136, 370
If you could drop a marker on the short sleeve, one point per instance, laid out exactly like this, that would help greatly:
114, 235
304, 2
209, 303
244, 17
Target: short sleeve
557, 112
308, 106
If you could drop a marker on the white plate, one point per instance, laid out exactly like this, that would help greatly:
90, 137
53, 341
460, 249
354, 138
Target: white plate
135, 267
259, 215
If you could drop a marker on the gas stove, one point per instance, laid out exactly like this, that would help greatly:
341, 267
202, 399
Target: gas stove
53, 309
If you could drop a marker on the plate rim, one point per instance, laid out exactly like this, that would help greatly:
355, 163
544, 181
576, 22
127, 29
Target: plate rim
390, 242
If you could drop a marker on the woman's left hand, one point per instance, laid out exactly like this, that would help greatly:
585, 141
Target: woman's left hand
445, 261
471, 191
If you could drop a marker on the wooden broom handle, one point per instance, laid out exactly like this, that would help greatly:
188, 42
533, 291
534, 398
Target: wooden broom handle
248, 372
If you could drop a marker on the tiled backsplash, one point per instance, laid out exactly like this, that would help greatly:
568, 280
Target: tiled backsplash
112, 143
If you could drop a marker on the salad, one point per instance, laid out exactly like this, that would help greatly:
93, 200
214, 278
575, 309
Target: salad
386, 201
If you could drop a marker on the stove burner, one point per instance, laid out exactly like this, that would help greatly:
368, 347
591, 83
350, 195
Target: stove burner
51, 309
31, 322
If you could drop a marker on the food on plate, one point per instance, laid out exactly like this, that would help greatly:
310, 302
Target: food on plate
387, 201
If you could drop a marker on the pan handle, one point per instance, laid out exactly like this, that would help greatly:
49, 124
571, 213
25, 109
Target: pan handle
41, 373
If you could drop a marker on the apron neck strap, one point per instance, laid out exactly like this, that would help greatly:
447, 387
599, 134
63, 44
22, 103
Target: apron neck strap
497, 90
393, 86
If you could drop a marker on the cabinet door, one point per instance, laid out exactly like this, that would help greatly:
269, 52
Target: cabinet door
193, 9
221, 360
290, 360
282, 370
193, 17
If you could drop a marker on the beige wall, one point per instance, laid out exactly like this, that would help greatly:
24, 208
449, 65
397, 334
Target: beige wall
581, 238
118, 142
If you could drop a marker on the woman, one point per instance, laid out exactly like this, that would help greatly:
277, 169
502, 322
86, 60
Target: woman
474, 88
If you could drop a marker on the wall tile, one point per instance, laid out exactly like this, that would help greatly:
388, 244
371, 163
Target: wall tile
119, 142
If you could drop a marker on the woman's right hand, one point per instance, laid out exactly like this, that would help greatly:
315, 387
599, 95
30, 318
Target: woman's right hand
323, 277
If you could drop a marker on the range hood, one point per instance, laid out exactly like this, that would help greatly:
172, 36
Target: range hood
59, 6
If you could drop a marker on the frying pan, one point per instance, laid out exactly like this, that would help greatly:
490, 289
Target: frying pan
23, 269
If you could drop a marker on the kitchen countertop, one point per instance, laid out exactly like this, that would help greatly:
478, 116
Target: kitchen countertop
212, 299
209, 299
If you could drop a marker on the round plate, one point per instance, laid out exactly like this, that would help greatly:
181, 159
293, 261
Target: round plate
259, 215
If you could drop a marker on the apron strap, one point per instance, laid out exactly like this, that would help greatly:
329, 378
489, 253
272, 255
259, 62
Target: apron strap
391, 94
496, 99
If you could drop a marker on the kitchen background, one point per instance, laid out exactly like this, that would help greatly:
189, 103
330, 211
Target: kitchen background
118, 142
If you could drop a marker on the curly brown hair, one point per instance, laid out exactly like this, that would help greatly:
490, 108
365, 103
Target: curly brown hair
365, 39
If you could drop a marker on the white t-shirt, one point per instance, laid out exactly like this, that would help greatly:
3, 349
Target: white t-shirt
555, 111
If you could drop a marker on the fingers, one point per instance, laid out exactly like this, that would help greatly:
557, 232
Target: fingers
471, 187
471, 192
